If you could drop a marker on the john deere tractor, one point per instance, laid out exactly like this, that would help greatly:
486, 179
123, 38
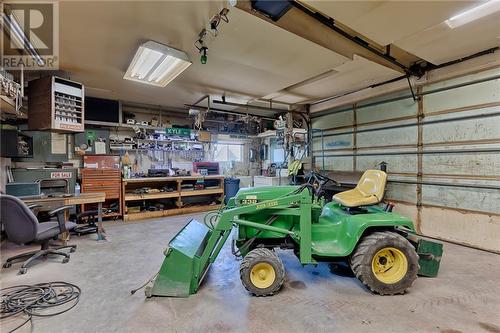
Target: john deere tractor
380, 246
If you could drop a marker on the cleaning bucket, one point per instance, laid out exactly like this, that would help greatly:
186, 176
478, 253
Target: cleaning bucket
180, 273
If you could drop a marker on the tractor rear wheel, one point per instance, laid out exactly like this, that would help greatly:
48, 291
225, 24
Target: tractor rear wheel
385, 262
262, 272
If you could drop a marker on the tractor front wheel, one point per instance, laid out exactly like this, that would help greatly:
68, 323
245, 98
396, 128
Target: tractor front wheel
385, 262
262, 272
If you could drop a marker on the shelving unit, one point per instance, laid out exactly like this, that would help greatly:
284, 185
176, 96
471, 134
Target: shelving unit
118, 125
178, 206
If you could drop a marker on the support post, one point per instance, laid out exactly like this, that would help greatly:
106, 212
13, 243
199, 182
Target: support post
420, 148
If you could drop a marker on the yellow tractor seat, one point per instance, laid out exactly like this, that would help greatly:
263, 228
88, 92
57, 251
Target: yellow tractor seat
369, 191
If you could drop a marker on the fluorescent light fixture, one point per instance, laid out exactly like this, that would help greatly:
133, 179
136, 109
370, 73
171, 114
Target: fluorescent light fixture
473, 14
156, 64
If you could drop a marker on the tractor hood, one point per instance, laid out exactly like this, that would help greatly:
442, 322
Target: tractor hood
263, 193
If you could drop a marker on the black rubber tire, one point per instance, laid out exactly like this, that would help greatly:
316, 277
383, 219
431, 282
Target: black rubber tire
7, 265
65, 260
361, 262
257, 256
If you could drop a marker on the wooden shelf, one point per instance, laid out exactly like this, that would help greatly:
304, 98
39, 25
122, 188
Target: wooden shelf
133, 183
168, 212
7, 105
167, 179
148, 196
190, 193
111, 215
118, 125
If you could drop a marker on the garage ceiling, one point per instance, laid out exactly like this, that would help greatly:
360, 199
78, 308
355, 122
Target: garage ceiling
417, 26
439, 43
251, 58
351, 75
386, 22
248, 60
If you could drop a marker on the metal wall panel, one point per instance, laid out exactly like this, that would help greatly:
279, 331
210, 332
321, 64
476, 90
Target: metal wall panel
333, 142
462, 198
460, 80
340, 163
476, 94
384, 111
344, 118
394, 136
395, 163
478, 164
486, 127
454, 162
401, 192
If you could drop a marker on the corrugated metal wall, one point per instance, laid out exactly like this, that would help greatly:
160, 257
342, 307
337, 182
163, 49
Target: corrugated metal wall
443, 154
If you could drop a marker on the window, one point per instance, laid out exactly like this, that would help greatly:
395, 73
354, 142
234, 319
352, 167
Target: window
227, 152
278, 155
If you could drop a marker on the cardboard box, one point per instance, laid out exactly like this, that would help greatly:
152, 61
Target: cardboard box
204, 136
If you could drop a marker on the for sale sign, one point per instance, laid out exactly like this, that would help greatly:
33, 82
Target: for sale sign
61, 175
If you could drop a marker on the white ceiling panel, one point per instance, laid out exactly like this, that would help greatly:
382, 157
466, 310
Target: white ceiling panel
350, 76
388, 21
440, 43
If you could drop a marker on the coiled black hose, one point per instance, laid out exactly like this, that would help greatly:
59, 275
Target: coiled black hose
39, 300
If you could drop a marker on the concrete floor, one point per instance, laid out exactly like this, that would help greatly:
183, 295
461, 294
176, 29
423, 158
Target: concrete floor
464, 298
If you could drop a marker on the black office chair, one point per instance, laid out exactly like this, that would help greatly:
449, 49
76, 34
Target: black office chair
22, 226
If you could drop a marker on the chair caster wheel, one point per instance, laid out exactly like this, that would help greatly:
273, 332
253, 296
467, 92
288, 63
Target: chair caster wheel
7, 265
65, 260
22, 271
72, 250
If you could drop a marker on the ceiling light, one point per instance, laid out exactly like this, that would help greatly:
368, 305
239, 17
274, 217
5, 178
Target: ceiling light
473, 14
156, 64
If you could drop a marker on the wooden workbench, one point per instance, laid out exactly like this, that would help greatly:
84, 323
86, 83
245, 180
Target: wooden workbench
128, 185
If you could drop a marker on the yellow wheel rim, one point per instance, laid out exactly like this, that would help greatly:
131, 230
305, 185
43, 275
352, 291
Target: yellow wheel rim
389, 265
262, 275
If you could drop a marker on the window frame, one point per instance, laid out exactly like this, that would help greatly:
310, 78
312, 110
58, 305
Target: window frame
227, 144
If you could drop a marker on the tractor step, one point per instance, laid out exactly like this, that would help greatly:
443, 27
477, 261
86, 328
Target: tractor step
430, 257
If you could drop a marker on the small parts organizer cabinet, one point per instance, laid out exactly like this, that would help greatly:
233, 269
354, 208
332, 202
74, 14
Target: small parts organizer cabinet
107, 181
163, 196
56, 104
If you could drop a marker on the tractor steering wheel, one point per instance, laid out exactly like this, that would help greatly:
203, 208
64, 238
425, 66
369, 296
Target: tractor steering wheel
318, 181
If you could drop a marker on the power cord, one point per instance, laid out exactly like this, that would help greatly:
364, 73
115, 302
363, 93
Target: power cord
38, 300
133, 291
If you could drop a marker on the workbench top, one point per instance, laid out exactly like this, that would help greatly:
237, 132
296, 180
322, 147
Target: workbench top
163, 179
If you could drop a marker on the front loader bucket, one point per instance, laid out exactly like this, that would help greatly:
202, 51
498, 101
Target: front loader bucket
180, 273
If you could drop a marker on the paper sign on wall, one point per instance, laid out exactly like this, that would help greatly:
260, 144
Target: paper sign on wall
58, 143
100, 147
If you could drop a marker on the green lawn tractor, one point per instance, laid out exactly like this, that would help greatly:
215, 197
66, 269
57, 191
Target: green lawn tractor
380, 246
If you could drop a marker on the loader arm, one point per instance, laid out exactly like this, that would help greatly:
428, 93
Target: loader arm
191, 252
229, 217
